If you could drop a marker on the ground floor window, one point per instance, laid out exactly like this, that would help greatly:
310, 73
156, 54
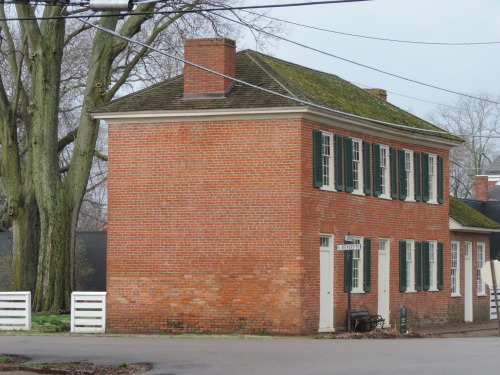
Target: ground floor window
481, 256
455, 268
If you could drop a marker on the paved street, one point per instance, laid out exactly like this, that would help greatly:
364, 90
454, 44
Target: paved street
190, 356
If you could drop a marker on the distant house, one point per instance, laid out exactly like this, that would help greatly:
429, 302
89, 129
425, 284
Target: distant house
244, 195
470, 249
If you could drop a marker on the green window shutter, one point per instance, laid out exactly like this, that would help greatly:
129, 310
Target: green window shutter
318, 158
349, 182
367, 265
394, 176
418, 266
427, 265
366, 168
402, 174
425, 177
440, 179
339, 140
402, 266
347, 271
440, 265
377, 189
418, 184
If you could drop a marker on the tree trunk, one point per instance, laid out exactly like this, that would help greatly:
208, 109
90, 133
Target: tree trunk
53, 287
26, 234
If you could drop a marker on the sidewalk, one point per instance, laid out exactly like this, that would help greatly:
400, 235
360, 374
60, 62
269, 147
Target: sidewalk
485, 329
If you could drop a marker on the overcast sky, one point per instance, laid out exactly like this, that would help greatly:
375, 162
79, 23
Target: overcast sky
465, 69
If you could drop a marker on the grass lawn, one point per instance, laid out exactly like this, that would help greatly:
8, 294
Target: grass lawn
50, 323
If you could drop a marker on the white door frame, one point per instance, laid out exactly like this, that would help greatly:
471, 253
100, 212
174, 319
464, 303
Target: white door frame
384, 256
468, 283
326, 284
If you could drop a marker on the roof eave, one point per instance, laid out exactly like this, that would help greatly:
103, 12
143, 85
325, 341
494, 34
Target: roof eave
355, 123
455, 226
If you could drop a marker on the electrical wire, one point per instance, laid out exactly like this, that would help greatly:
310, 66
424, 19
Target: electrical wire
197, 10
356, 63
420, 130
372, 37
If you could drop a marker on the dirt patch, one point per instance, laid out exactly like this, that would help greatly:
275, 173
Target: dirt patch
375, 334
18, 363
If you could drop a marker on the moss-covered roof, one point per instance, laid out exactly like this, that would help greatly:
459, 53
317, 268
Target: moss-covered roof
279, 76
469, 217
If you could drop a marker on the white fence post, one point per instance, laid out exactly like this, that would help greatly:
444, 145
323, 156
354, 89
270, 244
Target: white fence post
15, 311
88, 312
493, 309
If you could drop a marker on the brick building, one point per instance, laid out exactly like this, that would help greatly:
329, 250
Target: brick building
471, 235
242, 196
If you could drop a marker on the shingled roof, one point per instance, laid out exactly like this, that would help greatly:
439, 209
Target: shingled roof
279, 76
469, 217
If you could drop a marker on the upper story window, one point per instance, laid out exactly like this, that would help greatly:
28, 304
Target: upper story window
409, 175
357, 166
327, 160
385, 187
328, 164
432, 179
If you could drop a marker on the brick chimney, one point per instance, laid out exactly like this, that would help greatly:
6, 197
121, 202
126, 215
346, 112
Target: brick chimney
480, 188
218, 54
379, 93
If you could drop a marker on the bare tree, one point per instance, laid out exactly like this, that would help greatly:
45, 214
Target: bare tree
477, 123
53, 71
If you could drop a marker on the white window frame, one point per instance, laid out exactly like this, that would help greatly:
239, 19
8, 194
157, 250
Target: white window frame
410, 176
433, 266
385, 173
481, 259
410, 266
432, 178
328, 158
455, 269
357, 166
358, 266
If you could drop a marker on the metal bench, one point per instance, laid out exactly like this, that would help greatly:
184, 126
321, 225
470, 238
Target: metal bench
362, 321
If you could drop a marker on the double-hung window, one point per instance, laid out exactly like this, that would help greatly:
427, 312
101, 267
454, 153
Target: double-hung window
328, 161
357, 266
481, 256
433, 266
409, 174
455, 268
385, 183
407, 266
327, 174
432, 179
357, 166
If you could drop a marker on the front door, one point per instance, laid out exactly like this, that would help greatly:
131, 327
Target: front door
326, 284
383, 279
468, 314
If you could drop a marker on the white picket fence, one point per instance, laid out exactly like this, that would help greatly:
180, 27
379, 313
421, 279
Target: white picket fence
88, 312
15, 311
493, 310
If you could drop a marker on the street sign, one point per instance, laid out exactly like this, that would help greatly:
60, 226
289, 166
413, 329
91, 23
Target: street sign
486, 273
350, 246
348, 238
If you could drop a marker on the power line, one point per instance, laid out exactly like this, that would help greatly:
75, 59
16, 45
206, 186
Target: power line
356, 63
264, 89
197, 10
372, 37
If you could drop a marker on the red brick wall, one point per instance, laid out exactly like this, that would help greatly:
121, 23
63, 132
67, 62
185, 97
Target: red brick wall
217, 54
214, 227
204, 222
